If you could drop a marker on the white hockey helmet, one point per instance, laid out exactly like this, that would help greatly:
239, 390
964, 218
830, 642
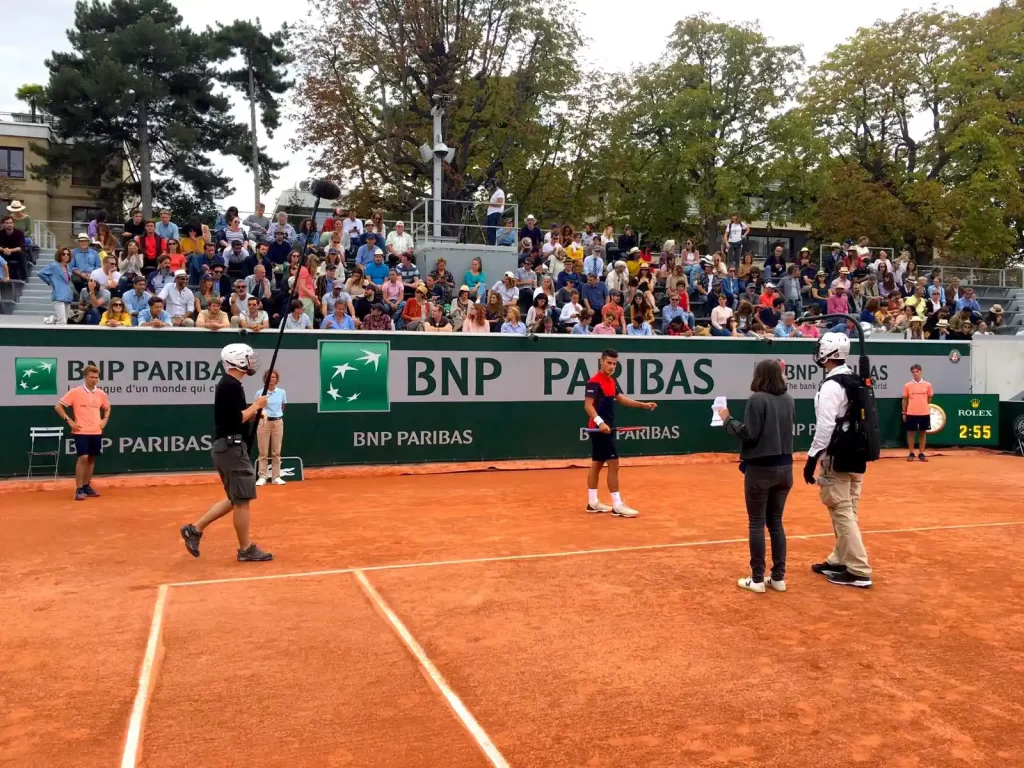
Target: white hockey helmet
832, 346
240, 356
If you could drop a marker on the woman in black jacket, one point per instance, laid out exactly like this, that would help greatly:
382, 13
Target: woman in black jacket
766, 460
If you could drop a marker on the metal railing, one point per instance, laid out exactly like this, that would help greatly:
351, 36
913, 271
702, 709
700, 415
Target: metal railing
27, 117
979, 276
459, 221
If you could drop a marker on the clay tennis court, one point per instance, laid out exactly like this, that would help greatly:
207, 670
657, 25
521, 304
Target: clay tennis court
483, 618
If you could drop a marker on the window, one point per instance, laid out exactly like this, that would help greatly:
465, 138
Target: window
762, 246
82, 215
12, 162
86, 178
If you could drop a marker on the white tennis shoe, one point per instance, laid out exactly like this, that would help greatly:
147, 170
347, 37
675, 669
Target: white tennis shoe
262, 481
750, 585
277, 481
598, 507
779, 585
621, 510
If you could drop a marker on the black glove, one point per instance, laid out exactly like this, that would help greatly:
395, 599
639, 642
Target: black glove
809, 467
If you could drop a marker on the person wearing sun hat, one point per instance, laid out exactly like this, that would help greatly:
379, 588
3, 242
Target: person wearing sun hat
994, 319
22, 220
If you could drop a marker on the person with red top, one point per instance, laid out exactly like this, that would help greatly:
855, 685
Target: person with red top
602, 393
917, 398
91, 410
151, 245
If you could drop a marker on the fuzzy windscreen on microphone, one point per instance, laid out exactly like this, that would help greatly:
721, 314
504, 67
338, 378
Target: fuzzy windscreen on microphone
324, 189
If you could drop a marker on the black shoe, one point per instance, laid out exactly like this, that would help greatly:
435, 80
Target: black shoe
911, 456
191, 535
922, 457
827, 569
89, 491
253, 554
848, 579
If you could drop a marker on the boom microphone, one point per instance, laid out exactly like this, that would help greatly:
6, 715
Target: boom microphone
327, 190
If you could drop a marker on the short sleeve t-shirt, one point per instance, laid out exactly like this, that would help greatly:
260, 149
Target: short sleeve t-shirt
86, 407
228, 404
603, 389
917, 394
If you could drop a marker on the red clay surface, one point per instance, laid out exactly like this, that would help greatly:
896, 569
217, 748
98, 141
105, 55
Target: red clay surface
650, 658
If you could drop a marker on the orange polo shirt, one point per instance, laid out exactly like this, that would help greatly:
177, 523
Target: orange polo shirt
917, 394
86, 406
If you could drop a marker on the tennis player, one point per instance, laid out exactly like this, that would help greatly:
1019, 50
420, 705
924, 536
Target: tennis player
603, 392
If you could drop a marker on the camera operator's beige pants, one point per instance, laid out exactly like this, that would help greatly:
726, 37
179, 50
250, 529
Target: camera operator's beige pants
840, 492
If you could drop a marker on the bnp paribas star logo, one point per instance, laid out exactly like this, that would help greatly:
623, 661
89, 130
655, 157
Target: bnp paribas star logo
354, 377
35, 375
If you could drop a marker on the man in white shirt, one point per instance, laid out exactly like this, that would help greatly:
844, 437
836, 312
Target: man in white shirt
494, 211
735, 233
179, 301
254, 319
352, 224
847, 564
618, 278
399, 242
107, 276
507, 289
235, 253
571, 312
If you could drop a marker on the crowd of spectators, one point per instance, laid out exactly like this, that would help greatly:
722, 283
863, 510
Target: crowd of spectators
355, 274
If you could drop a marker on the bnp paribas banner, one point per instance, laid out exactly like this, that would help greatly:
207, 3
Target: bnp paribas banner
405, 397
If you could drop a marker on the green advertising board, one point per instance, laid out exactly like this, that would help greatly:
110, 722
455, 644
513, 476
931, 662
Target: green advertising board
399, 398
964, 420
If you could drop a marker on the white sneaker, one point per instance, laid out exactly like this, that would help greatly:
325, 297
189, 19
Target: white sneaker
599, 507
778, 586
750, 585
621, 510
279, 481
261, 481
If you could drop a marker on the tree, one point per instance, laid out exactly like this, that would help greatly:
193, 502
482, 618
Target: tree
366, 97
32, 95
139, 83
956, 184
262, 78
690, 138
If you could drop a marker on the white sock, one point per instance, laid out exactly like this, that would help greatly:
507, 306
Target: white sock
592, 495
616, 499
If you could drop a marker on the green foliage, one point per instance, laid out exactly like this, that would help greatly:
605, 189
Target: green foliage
139, 83
268, 58
508, 65
32, 94
953, 187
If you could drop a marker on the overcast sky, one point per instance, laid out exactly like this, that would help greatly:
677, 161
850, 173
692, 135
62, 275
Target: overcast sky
620, 40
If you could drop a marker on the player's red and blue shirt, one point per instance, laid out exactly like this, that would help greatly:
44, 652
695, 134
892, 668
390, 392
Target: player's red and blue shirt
603, 389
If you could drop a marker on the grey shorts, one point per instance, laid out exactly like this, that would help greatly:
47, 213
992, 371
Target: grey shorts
236, 472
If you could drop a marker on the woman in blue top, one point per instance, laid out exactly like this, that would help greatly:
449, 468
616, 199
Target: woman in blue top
270, 432
57, 275
512, 322
639, 326
476, 280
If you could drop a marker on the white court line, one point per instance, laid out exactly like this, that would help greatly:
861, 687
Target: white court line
571, 553
460, 709
131, 744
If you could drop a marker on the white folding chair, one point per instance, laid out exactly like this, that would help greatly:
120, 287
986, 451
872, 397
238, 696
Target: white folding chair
44, 434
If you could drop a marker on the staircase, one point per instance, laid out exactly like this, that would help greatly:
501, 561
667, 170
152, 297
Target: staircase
35, 302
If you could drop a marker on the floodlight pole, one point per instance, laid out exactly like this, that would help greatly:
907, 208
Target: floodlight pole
438, 112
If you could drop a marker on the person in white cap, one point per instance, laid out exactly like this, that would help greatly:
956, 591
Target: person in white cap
532, 231
507, 289
84, 260
179, 300
22, 220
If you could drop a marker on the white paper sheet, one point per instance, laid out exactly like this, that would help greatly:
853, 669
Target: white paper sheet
718, 405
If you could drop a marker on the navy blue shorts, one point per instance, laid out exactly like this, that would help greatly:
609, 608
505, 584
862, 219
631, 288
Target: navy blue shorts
919, 423
603, 447
89, 445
